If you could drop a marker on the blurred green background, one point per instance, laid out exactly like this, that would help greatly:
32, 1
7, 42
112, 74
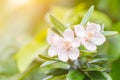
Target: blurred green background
23, 28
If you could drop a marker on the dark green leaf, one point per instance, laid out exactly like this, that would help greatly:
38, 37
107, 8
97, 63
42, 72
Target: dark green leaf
87, 15
58, 71
99, 60
57, 24
97, 75
92, 67
115, 70
75, 75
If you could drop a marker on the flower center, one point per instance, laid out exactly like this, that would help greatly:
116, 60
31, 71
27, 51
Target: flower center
67, 45
90, 34
88, 37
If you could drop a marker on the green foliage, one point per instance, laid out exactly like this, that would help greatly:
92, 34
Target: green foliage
97, 75
28, 53
47, 63
8, 67
109, 33
87, 16
113, 49
115, 73
116, 27
58, 25
33, 63
75, 75
58, 71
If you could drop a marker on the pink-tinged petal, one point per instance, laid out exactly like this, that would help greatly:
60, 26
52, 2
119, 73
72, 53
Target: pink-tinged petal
50, 36
79, 31
98, 38
52, 51
74, 53
90, 46
75, 43
68, 34
63, 55
92, 27
58, 41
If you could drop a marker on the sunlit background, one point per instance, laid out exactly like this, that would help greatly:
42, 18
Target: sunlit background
22, 22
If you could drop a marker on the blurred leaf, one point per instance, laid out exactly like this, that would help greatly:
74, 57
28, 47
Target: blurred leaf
75, 16
99, 60
58, 25
115, 72
116, 26
101, 18
28, 53
114, 45
45, 57
97, 75
62, 77
86, 78
93, 67
59, 12
87, 15
58, 71
47, 63
109, 33
8, 67
110, 7
41, 36
75, 75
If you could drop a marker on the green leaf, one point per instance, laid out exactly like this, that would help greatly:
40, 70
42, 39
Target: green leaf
28, 53
57, 24
62, 77
115, 70
109, 33
99, 60
87, 15
75, 75
114, 47
45, 57
8, 67
97, 75
47, 63
116, 27
58, 71
92, 67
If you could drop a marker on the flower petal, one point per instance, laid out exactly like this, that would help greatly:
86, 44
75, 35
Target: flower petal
98, 38
68, 34
63, 55
79, 31
50, 36
58, 41
90, 46
76, 43
52, 51
73, 53
92, 27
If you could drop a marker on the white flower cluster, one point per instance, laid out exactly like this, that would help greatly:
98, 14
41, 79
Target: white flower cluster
66, 46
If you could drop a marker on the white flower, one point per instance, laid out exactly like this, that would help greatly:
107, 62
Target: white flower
90, 36
65, 47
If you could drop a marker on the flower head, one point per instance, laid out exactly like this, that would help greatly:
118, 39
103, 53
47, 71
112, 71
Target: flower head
90, 36
65, 47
